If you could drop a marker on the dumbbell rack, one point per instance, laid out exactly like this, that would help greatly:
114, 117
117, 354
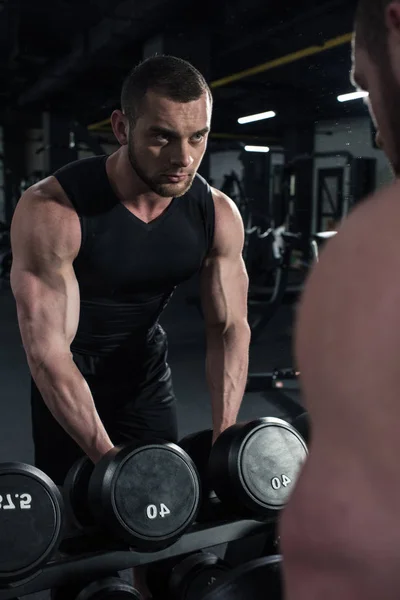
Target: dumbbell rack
279, 379
64, 568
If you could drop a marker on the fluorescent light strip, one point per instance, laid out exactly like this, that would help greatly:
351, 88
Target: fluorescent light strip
353, 96
256, 149
259, 117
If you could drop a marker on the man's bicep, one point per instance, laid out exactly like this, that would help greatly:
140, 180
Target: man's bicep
44, 231
45, 241
224, 281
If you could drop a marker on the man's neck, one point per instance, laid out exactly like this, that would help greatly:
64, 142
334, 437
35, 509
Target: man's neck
131, 191
128, 187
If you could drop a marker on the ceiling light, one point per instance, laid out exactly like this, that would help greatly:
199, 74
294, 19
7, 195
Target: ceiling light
353, 96
264, 149
259, 117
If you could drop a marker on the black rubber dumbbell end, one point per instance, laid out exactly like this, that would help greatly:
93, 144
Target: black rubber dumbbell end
303, 426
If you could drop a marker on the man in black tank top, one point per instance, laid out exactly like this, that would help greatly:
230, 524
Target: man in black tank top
99, 248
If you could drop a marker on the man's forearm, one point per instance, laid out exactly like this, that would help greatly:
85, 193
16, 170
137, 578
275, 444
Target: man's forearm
227, 367
69, 399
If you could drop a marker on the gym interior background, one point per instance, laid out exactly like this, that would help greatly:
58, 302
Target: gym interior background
61, 68
300, 172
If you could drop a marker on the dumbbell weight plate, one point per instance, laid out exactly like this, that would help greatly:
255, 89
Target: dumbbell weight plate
195, 575
76, 486
256, 580
198, 446
302, 425
31, 520
254, 466
145, 494
109, 588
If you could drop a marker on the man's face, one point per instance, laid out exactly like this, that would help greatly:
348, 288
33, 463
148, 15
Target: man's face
380, 78
168, 141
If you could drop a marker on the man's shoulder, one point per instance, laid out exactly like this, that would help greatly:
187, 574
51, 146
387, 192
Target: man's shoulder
362, 259
200, 185
87, 164
46, 193
377, 218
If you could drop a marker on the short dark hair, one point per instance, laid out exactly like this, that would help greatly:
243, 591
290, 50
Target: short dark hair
171, 77
371, 30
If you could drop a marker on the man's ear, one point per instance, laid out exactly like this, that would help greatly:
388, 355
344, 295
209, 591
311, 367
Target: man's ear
120, 126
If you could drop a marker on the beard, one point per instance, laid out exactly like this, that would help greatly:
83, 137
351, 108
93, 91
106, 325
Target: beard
165, 190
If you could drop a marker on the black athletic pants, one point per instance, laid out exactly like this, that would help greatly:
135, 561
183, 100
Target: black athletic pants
134, 397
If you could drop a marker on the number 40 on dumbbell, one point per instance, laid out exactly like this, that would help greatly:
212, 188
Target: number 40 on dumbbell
146, 495
154, 511
251, 469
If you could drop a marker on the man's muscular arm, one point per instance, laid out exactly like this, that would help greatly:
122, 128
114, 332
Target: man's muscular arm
224, 285
46, 238
348, 347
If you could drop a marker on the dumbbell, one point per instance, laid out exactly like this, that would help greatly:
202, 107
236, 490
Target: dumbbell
251, 468
185, 578
145, 495
31, 521
302, 425
107, 588
258, 579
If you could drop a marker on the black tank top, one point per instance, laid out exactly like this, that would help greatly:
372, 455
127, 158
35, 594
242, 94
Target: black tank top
126, 269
